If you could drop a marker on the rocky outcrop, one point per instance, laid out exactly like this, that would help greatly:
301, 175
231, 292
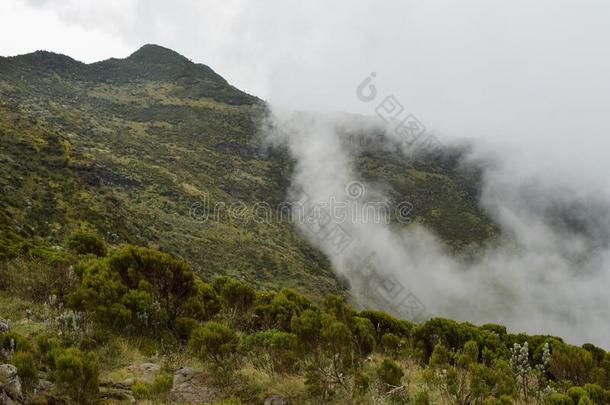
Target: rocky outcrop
10, 385
191, 387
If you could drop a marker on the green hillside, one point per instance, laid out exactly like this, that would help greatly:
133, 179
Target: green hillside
125, 147
113, 289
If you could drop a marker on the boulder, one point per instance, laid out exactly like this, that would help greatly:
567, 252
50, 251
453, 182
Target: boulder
10, 383
191, 387
144, 372
5, 326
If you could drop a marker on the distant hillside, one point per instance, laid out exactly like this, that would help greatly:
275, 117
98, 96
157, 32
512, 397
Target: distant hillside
125, 147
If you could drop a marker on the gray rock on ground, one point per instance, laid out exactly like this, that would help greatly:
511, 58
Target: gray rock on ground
144, 372
10, 385
5, 326
191, 387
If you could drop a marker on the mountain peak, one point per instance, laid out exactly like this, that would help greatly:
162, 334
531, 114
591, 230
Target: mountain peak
151, 53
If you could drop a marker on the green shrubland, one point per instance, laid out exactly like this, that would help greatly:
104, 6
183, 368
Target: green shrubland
242, 336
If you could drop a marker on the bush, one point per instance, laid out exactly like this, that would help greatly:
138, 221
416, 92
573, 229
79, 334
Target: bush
422, 398
307, 327
140, 390
364, 335
440, 356
469, 354
48, 348
14, 342
214, 341
390, 373
281, 348
235, 294
337, 337
385, 323
559, 399
162, 384
361, 382
571, 363
481, 381
278, 313
139, 290
83, 242
597, 393
79, 373
390, 343
26, 368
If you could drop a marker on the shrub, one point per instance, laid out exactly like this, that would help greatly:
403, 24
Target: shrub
364, 335
162, 384
390, 343
213, 341
385, 323
281, 347
444, 331
307, 327
184, 327
440, 356
469, 354
14, 342
337, 337
577, 393
571, 363
422, 398
83, 242
390, 373
481, 381
235, 294
597, 393
79, 373
138, 289
336, 306
140, 390
361, 382
278, 313
559, 399
26, 368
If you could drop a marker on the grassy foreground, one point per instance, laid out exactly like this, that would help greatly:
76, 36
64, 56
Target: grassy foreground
92, 324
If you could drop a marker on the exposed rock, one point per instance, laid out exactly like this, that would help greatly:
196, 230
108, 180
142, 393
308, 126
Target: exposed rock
276, 400
144, 372
116, 394
5, 326
191, 387
10, 383
184, 374
4, 398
